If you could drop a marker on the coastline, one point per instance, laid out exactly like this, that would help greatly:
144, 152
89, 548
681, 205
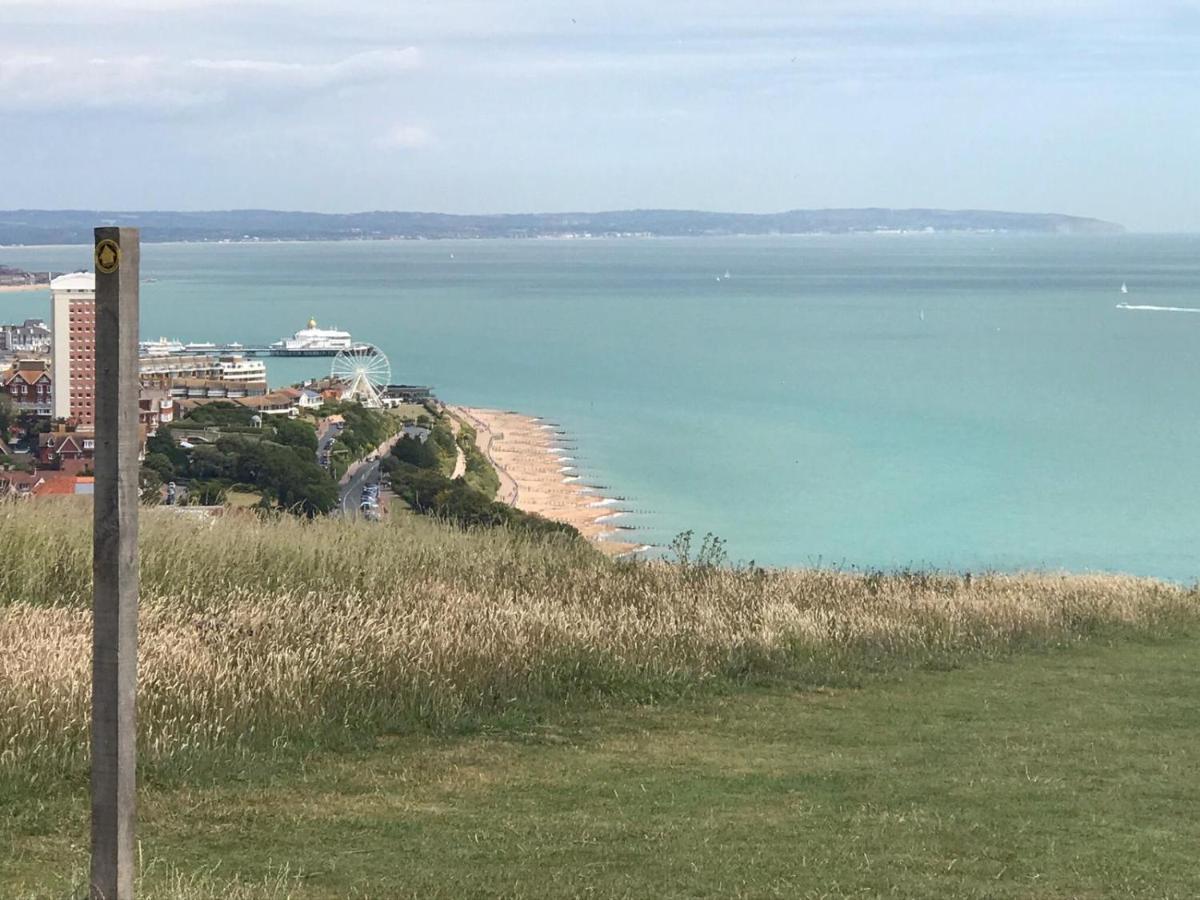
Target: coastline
534, 462
22, 288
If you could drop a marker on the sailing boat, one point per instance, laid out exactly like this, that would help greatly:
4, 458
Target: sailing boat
1124, 290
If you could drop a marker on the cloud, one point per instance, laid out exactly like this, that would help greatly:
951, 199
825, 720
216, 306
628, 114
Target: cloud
361, 67
33, 81
406, 137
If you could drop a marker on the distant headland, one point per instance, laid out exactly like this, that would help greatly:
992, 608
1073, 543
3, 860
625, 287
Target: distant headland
32, 226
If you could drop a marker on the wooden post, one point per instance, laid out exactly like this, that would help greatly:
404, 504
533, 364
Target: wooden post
115, 565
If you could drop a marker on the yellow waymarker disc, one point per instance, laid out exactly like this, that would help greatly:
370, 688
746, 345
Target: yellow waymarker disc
108, 256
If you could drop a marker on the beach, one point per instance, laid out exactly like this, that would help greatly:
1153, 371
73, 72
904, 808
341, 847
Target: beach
534, 461
22, 288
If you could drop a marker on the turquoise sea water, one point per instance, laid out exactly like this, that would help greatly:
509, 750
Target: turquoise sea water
803, 409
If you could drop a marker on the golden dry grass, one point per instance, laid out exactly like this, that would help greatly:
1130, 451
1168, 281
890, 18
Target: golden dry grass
259, 632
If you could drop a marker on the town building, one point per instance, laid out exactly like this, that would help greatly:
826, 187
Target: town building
153, 368
67, 451
156, 407
31, 336
214, 388
408, 393
30, 386
239, 368
15, 483
73, 327
26, 485
224, 368
284, 402
310, 398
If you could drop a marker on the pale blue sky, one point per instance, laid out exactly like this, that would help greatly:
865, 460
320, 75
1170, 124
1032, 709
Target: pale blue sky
1088, 108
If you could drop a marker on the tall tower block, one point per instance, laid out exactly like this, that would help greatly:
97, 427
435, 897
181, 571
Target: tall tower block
73, 328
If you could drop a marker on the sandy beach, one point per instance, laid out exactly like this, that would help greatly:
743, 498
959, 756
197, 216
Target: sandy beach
534, 462
16, 288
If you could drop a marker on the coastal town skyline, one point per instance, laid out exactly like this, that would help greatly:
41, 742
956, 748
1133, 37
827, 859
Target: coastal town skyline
507, 107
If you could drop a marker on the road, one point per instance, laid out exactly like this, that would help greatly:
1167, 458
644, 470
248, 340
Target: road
326, 434
361, 473
350, 493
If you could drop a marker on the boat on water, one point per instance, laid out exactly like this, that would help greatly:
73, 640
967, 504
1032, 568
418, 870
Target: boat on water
161, 347
314, 341
1124, 288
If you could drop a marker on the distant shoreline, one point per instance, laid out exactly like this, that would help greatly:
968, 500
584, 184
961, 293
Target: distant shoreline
594, 239
22, 288
33, 227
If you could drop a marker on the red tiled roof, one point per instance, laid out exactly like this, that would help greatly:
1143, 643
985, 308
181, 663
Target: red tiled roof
56, 484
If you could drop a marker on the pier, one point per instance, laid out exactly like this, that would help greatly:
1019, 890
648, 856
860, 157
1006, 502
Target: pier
236, 349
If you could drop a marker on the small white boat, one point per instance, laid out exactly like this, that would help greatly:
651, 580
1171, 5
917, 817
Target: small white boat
1124, 288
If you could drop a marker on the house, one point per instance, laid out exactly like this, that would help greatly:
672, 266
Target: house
29, 384
67, 451
20, 484
310, 398
276, 403
32, 336
64, 484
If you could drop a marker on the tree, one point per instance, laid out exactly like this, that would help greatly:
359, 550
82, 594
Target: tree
220, 412
207, 493
8, 414
160, 465
415, 452
151, 486
297, 434
32, 424
162, 442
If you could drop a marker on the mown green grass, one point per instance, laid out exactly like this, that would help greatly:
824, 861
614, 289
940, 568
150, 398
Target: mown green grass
1073, 773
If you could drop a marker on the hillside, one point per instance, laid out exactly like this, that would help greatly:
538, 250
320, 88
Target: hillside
317, 684
75, 226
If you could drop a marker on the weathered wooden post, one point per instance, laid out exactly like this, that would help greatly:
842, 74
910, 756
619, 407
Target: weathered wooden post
115, 565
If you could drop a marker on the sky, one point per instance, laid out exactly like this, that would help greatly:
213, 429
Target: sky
1086, 107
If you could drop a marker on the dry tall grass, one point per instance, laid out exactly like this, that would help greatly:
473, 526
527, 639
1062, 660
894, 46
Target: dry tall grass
258, 632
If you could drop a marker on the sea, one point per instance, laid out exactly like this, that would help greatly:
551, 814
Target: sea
963, 402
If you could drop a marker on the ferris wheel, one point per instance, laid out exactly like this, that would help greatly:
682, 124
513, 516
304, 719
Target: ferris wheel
365, 371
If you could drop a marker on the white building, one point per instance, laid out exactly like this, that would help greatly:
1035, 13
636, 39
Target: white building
30, 337
238, 368
73, 345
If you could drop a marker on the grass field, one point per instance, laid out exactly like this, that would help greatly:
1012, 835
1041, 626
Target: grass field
1065, 774
412, 710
